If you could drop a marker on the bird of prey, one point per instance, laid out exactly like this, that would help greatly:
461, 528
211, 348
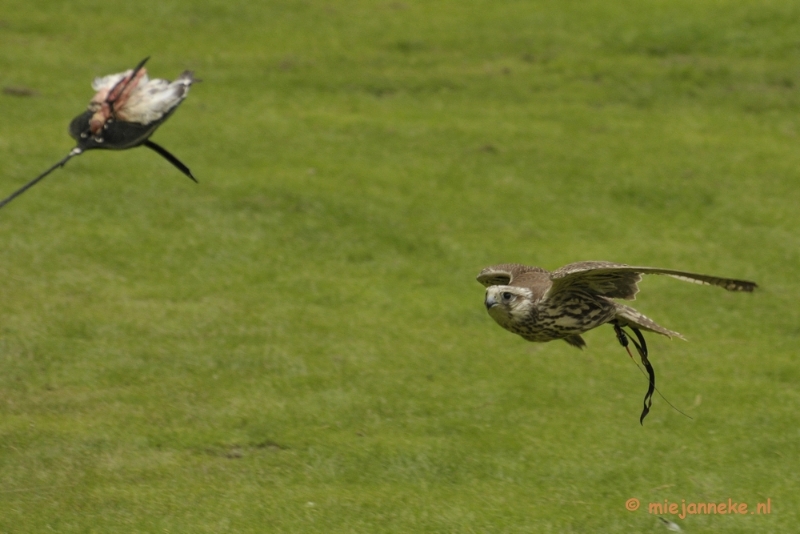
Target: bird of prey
540, 305
124, 112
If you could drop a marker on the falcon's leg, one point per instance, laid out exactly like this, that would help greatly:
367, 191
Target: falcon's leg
623, 337
575, 341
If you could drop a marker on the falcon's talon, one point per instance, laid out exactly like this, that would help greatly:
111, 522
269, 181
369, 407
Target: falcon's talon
621, 337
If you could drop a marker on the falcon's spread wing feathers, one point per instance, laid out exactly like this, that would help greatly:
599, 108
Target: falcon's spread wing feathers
505, 274
617, 280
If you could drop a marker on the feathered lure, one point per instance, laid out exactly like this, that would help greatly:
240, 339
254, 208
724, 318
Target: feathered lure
124, 112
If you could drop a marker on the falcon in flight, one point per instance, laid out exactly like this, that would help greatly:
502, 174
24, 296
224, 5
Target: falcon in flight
540, 305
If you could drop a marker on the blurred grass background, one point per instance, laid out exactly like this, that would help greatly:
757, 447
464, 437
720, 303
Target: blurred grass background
298, 343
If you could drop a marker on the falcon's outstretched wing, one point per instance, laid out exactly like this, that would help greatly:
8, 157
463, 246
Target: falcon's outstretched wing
617, 280
505, 274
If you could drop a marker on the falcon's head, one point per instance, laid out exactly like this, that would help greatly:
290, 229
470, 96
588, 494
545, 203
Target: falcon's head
508, 305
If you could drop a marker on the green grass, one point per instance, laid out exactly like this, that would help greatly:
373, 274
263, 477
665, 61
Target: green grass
298, 344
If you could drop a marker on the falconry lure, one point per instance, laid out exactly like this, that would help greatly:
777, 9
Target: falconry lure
540, 305
124, 112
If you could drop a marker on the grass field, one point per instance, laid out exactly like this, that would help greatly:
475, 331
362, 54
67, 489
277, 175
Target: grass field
298, 343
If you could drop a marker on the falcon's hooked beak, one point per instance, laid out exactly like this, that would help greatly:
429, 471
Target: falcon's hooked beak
490, 301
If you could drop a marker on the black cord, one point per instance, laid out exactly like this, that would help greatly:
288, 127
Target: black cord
74, 152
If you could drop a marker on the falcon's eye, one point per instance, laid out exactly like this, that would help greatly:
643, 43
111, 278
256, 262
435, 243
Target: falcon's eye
507, 295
